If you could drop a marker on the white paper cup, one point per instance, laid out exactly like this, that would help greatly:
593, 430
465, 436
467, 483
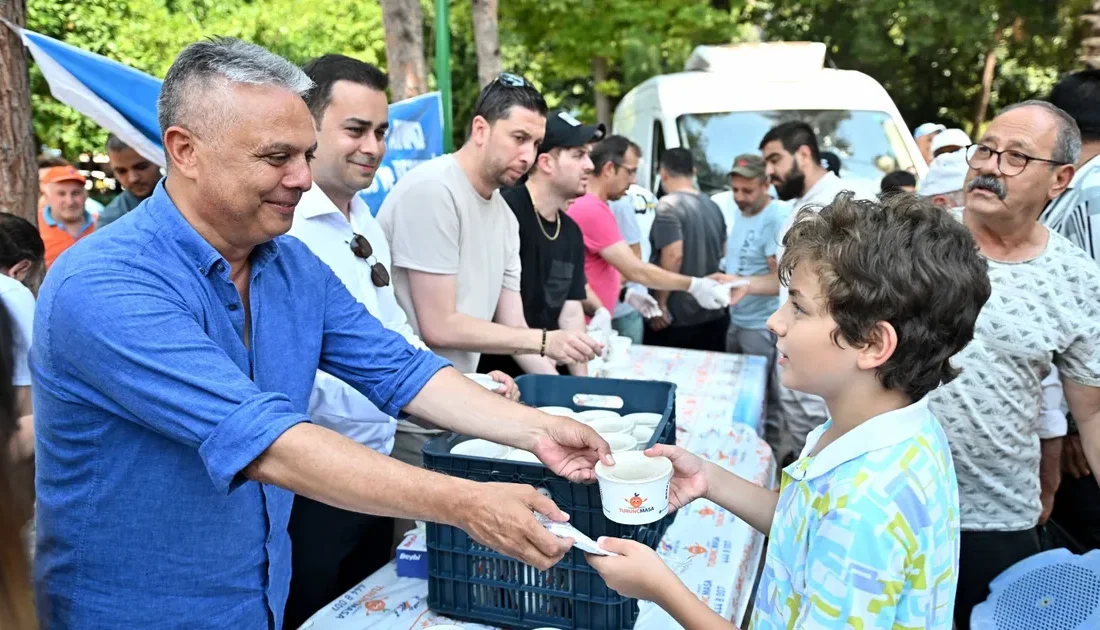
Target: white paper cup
642, 434
481, 448
620, 442
612, 425
620, 349
588, 417
635, 490
485, 381
559, 411
645, 419
520, 455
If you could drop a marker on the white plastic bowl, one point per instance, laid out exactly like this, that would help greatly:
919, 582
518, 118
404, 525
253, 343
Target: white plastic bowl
559, 411
481, 448
642, 435
644, 419
612, 425
485, 381
588, 417
620, 442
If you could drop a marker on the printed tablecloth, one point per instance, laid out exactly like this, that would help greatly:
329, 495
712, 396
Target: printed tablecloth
719, 401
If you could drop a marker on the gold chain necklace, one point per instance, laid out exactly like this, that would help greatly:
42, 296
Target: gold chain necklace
557, 225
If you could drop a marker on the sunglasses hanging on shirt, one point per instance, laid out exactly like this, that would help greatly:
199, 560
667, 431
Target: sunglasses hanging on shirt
360, 246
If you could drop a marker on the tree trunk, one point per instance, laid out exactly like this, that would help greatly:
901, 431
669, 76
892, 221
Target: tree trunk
404, 25
1091, 44
987, 89
603, 103
487, 38
19, 188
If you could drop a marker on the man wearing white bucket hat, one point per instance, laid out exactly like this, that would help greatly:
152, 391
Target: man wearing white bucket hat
949, 141
943, 185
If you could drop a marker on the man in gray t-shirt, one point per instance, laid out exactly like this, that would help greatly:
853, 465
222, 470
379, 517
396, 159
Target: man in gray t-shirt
688, 237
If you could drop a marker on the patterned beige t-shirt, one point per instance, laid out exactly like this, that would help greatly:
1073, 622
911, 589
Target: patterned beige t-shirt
1042, 311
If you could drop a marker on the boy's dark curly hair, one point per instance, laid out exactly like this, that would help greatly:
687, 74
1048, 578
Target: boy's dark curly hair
902, 261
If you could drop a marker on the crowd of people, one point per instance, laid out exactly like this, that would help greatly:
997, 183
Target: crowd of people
228, 422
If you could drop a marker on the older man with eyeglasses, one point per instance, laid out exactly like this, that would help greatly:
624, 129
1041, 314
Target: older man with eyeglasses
1045, 307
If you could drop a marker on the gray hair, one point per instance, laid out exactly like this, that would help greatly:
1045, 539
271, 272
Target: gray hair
217, 63
1067, 144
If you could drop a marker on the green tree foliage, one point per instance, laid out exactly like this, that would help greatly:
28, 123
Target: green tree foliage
929, 54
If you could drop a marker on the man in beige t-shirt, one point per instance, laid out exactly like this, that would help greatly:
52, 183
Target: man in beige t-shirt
455, 248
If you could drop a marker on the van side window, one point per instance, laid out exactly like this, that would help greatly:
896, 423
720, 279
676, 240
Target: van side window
657, 152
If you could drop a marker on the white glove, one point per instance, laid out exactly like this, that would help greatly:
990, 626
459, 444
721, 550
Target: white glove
709, 293
643, 303
601, 320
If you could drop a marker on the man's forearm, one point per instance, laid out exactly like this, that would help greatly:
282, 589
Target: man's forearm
462, 332
654, 277
1089, 430
689, 611
572, 318
534, 364
591, 302
767, 284
453, 402
746, 500
325, 466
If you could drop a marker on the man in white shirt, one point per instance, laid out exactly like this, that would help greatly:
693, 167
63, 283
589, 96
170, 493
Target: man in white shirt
334, 549
1075, 214
22, 267
792, 163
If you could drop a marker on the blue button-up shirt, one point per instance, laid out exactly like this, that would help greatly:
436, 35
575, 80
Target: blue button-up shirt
148, 406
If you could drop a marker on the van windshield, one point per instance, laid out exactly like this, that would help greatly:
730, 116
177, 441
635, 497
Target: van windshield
867, 142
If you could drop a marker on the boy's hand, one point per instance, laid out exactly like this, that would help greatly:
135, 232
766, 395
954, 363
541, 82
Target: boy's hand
636, 572
689, 475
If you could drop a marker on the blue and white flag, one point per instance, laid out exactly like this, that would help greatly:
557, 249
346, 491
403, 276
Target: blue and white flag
415, 136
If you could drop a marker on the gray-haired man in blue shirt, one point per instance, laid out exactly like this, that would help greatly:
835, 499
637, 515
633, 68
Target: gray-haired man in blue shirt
173, 360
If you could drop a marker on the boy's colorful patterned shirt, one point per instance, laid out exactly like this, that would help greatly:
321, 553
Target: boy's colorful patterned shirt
866, 532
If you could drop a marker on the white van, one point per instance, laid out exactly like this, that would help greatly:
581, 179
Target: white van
728, 97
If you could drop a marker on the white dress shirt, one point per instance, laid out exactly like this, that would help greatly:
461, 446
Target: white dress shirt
322, 227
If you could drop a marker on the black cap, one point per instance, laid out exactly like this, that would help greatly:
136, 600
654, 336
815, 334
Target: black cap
564, 131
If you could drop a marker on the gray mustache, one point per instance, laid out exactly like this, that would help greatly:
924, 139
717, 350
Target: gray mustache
990, 183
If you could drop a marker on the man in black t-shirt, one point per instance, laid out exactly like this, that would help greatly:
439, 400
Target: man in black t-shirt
551, 248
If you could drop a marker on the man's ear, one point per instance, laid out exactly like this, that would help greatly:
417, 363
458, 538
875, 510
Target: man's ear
181, 147
1062, 178
19, 270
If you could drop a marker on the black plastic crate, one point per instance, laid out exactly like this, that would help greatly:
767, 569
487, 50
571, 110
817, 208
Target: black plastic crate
471, 582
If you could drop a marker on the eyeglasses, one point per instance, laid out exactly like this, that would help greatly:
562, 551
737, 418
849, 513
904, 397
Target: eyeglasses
360, 246
629, 171
1010, 163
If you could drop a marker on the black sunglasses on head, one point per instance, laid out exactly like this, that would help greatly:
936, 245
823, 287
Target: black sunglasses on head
360, 246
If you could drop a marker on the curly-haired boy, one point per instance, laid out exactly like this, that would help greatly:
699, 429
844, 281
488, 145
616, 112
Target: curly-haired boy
864, 531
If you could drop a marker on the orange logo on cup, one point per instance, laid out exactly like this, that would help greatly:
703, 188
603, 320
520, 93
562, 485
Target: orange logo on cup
375, 605
697, 549
635, 501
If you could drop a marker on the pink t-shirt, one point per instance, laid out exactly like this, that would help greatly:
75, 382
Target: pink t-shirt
600, 231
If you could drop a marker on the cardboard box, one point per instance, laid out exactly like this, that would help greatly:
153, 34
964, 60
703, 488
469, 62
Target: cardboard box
412, 556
